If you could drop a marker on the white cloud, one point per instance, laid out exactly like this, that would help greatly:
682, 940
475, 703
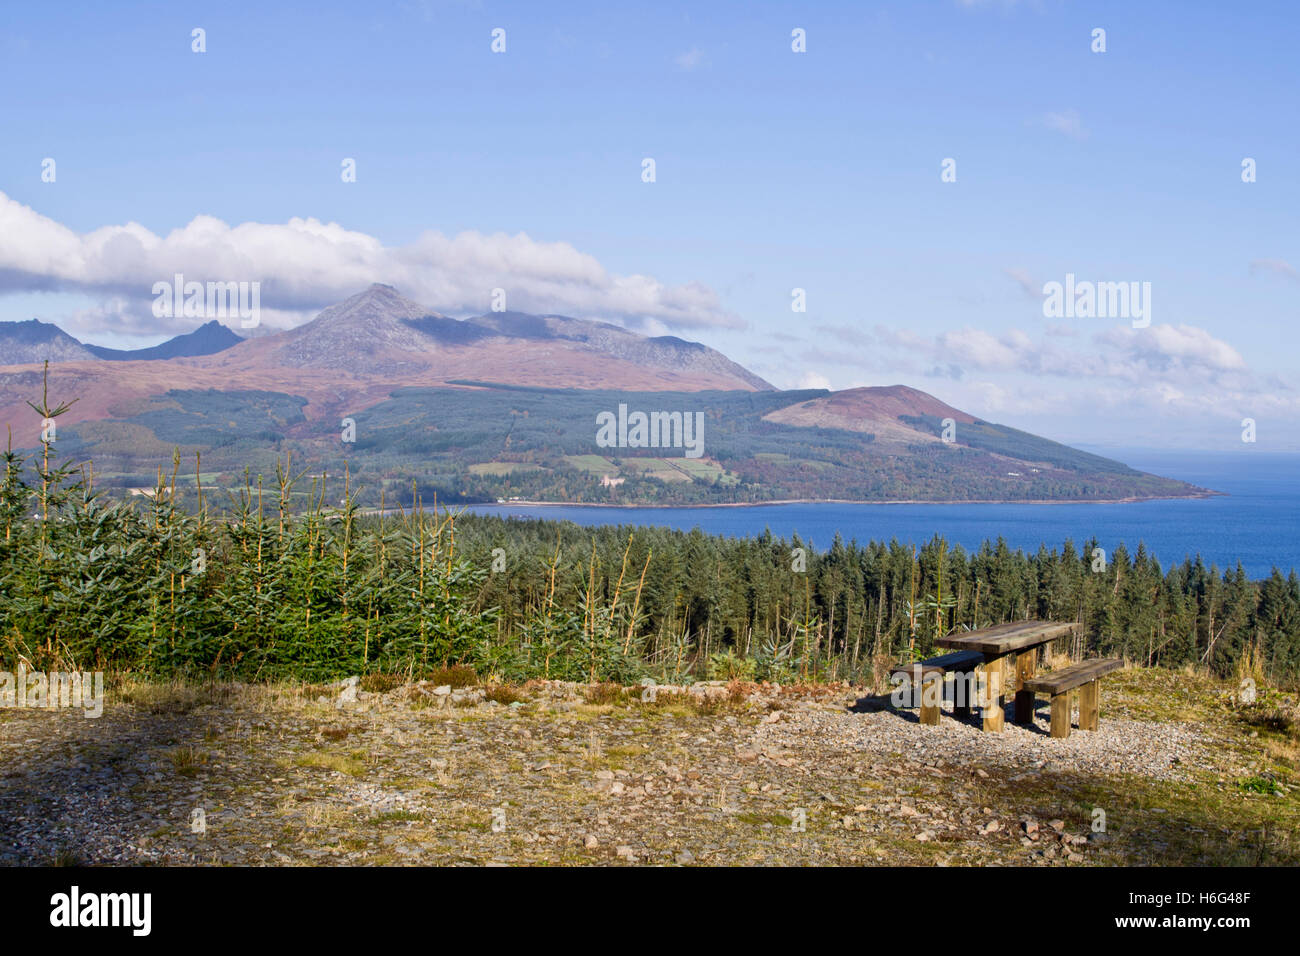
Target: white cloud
1068, 122
692, 59
1276, 267
305, 265
814, 380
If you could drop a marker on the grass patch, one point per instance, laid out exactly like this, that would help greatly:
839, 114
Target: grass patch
187, 761
1259, 784
350, 764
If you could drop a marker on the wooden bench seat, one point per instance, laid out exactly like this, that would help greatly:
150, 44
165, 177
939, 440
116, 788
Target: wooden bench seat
1086, 675
928, 675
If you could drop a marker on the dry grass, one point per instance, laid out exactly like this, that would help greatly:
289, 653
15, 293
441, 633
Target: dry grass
603, 693
455, 676
351, 764
188, 760
503, 694
170, 697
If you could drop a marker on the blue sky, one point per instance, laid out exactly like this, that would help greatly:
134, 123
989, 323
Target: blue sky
774, 170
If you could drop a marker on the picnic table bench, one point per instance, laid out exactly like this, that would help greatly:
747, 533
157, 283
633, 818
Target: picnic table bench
1086, 676
1017, 643
926, 678
980, 660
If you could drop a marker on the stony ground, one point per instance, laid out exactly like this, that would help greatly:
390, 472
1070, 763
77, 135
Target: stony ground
568, 774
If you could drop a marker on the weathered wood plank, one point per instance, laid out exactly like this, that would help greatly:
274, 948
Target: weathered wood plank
931, 696
958, 660
1089, 705
1076, 675
964, 689
1026, 666
1005, 638
1061, 715
991, 696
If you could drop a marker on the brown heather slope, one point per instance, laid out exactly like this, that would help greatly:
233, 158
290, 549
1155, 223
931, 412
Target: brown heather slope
876, 409
356, 352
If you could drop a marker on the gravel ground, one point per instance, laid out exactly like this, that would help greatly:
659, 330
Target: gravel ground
424, 775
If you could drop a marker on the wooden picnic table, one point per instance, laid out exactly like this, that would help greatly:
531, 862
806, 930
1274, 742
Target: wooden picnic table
998, 644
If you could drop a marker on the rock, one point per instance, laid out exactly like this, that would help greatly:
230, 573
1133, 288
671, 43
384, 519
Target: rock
1074, 857
591, 842
685, 858
625, 853
1030, 826
1057, 825
443, 691
348, 695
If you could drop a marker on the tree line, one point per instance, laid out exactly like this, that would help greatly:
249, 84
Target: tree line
262, 587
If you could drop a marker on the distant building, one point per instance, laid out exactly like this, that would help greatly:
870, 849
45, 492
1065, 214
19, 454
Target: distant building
608, 482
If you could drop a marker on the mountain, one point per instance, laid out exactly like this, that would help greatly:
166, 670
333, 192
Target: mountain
379, 335
208, 338
34, 341
508, 406
665, 352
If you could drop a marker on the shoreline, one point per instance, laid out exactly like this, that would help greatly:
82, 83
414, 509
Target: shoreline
846, 501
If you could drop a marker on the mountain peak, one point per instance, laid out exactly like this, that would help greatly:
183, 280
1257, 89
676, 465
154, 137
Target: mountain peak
32, 340
369, 330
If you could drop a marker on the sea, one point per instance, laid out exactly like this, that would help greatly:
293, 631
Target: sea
1256, 522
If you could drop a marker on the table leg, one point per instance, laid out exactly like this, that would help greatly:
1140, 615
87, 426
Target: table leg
931, 695
963, 694
991, 701
1026, 663
1061, 715
1088, 709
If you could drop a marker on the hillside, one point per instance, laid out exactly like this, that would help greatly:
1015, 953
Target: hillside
379, 336
509, 405
208, 338
481, 442
34, 341
353, 355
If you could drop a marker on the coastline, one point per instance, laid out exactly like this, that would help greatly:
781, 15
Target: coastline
847, 501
